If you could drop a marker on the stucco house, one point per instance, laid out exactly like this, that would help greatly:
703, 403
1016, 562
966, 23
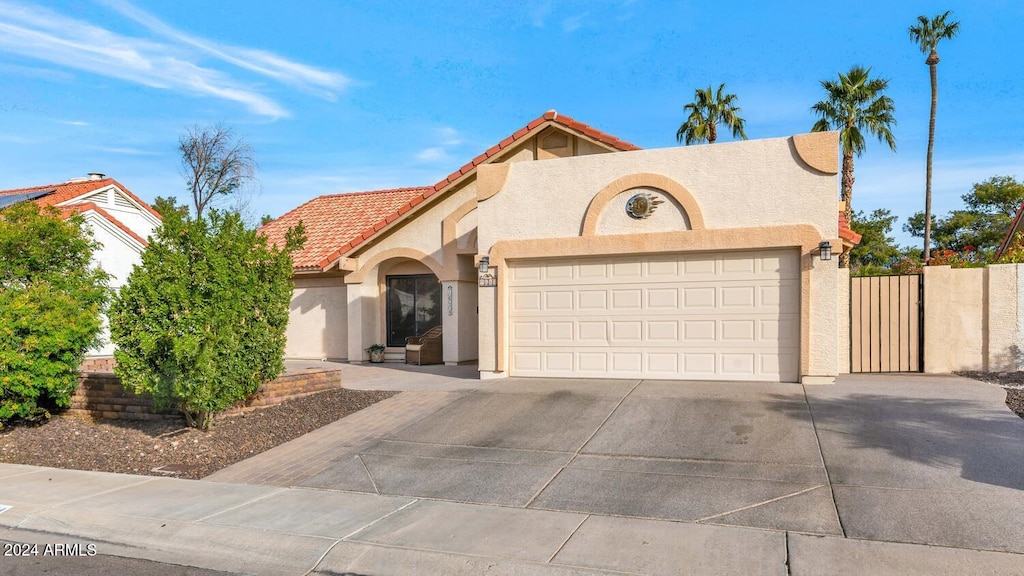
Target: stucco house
563, 251
119, 220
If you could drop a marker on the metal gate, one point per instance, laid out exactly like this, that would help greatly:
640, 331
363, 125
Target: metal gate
887, 323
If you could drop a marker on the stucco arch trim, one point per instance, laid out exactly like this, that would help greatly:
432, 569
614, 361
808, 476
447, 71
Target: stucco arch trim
359, 275
647, 180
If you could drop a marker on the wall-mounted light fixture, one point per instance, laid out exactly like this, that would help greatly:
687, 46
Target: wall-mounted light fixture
486, 278
825, 250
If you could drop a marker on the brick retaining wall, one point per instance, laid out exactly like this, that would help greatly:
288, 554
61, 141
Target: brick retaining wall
100, 395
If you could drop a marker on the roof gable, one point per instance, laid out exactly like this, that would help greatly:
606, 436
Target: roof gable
76, 191
336, 237
87, 207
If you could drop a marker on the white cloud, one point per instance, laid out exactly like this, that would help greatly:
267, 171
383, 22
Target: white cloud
432, 154
573, 23
323, 82
449, 136
439, 149
43, 34
79, 123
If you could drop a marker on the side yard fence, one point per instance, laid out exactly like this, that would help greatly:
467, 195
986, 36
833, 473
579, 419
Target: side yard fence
972, 319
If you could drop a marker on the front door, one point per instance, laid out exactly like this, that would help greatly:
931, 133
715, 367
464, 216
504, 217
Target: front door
414, 306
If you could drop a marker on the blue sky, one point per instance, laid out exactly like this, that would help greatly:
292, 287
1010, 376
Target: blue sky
360, 95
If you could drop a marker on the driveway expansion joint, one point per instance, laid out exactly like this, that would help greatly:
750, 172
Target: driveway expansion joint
821, 454
584, 445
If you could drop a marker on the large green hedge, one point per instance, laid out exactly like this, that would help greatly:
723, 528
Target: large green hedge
200, 323
51, 301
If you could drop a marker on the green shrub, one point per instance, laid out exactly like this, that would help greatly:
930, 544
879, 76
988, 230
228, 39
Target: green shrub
200, 323
51, 301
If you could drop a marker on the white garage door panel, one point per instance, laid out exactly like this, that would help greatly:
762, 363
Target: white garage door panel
710, 316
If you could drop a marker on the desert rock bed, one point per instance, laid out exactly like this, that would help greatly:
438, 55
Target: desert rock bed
167, 447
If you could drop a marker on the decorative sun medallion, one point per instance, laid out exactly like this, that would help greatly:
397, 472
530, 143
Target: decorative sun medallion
642, 205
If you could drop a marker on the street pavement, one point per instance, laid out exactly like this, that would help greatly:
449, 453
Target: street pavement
881, 474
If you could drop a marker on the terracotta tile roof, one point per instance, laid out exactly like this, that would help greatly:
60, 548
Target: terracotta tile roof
333, 222
69, 190
350, 234
87, 206
845, 232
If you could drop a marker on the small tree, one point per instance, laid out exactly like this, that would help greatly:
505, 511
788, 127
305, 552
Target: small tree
877, 250
200, 324
51, 300
166, 204
978, 228
214, 163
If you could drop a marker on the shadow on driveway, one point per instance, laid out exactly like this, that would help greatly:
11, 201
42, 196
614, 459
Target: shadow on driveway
939, 433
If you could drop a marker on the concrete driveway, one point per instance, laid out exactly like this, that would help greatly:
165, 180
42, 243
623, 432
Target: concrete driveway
914, 459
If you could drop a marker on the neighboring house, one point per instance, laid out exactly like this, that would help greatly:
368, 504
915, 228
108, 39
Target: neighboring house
607, 260
120, 222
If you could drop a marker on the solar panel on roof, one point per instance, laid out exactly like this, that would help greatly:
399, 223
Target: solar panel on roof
13, 199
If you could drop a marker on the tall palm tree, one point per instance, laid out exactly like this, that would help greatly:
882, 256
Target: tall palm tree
706, 112
855, 106
926, 34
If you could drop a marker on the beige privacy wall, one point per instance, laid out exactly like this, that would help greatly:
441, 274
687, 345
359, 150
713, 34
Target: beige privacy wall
974, 318
317, 320
740, 196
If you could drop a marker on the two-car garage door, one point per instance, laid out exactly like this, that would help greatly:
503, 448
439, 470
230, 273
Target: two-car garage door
709, 316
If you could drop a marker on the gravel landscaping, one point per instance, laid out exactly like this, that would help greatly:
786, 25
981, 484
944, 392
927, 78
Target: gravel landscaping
167, 447
1012, 382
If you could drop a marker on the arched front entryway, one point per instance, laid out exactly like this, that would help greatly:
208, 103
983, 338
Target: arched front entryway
411, 301
392, 296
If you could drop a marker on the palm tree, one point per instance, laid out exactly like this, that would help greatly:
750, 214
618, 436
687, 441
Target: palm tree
706, 112
855, 106
926, 34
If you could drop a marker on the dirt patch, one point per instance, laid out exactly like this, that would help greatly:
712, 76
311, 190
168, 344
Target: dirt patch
1012, 382
166, 447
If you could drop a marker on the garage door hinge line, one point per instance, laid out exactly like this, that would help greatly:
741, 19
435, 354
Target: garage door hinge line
584, 445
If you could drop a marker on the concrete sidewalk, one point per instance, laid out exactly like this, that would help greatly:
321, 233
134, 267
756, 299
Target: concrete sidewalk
250, 529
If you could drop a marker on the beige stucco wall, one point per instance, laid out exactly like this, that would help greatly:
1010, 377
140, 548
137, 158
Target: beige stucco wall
736, 184
760, 187
422, 233
973, 318
954, 303
317, 320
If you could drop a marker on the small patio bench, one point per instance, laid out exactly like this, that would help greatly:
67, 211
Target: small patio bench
426, 348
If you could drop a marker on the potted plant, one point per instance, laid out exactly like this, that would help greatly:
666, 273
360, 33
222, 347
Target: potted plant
376, 352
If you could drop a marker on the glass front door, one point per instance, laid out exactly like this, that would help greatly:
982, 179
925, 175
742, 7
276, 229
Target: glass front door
414, 306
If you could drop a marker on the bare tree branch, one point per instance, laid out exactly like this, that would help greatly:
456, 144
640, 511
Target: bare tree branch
215, 163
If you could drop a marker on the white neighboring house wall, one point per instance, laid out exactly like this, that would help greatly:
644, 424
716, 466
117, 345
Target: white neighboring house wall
119, 251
